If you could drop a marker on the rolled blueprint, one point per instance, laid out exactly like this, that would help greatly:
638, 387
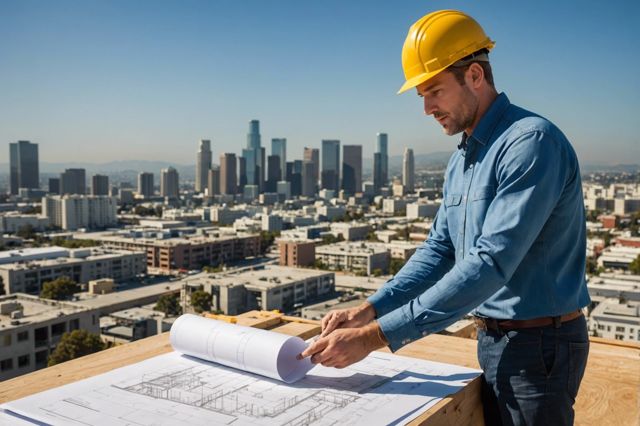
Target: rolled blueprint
249, 349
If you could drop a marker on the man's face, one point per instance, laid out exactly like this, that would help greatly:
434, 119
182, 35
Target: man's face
453, 105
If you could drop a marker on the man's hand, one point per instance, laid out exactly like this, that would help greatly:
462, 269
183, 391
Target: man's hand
348, 318
345, 346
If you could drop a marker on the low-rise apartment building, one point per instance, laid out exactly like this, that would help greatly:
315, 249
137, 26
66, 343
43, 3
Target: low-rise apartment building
354, 257
31, 328
80, 265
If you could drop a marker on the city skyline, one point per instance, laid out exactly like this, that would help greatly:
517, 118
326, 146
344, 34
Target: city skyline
94, 82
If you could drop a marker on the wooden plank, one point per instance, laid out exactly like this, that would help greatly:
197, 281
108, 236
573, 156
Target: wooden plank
304, 331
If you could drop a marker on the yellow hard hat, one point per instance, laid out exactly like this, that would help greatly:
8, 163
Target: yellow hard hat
436, 41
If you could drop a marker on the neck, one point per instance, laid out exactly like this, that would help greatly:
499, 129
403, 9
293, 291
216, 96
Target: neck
484, 102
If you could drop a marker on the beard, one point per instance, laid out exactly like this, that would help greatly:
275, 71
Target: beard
463, 116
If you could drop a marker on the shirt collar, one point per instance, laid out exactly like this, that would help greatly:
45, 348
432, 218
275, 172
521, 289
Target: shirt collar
483, 131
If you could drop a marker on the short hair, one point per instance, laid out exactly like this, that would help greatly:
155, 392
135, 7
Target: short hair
458, 71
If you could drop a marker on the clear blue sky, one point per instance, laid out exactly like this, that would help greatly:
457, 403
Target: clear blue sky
102, 80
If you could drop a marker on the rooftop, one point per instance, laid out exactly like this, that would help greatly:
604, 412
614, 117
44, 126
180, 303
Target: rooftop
35, 310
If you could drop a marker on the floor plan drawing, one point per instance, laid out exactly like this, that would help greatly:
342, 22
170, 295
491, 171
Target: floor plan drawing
175, 389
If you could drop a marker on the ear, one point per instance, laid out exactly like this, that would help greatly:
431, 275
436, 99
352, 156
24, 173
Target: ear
474, 75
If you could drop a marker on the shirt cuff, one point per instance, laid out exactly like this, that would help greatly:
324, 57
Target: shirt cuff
398, 328
381, 302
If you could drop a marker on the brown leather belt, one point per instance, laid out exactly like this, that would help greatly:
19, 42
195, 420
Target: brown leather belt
505, 325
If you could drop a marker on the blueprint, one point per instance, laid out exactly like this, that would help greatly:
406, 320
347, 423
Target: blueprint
249, 349
175, 389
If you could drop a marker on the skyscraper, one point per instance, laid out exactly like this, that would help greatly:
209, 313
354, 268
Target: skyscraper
169, 183
377, 172
331, 164
408, 170
383, 149
308, 183
254, 156
312, 155
145, 184
23, 166
213, 184
228, 174
279, 148
352, 169
242, 174
275, 174
73, 181
203, 164
99, 185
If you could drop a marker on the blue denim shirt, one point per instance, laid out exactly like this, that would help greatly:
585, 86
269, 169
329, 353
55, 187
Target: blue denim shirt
509, 239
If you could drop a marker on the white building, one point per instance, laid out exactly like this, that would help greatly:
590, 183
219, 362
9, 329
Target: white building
271, 223
354, 257
613, 319
80, 265
393, 205
13, 221
422, 209
618, 257
71, 212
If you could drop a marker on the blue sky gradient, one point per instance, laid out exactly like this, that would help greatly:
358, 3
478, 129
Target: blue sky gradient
103, 80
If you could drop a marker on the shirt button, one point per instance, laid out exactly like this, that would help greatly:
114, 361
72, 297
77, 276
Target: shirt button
424, 333
471, 166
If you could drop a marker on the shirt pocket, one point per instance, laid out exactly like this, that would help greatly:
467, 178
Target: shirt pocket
483, 193
453, 200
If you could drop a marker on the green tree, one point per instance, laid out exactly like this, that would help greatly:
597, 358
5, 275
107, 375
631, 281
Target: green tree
169, 305
395, 265
377, 272
73, 244
634, 267
26, 232
201, 301
59, 289
74, 345
213, 269
266, 239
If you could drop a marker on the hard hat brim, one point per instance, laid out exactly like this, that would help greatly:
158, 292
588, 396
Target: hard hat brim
418, 80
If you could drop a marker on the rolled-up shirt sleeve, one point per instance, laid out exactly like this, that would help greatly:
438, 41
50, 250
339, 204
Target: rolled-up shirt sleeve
423, 269
531, 178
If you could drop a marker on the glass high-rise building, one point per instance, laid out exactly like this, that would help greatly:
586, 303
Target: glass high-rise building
330, 165
279, 148
352, 169
169, 183
408, 170
254, 156
99, 185
203, 164
383, 149
24, 169
145, 184
228, 173
73, 181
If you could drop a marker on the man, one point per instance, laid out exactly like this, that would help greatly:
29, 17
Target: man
508, 243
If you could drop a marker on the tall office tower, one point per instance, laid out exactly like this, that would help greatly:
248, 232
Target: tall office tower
228, 174
352, 169
331, 164
275, 174
54, 185
377, 172
242, 174
313, 155
203, 164
145, 184
213, 181
295, 175
408, 170
254, 156
169, 183
99, 185
24, 170
279, 148
73, 181
308, 182
383, 149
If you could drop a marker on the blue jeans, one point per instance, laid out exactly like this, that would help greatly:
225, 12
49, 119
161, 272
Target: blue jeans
532, 375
